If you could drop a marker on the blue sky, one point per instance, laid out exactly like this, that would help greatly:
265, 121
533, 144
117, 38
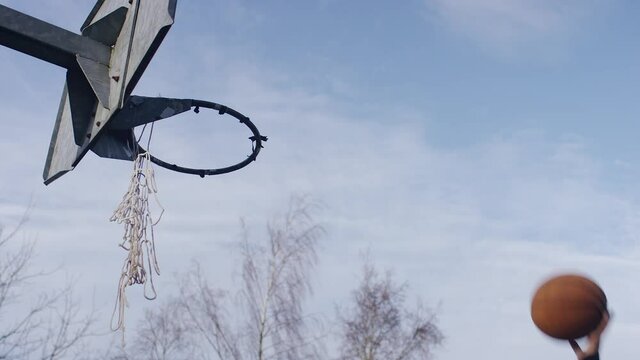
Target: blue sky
475, 147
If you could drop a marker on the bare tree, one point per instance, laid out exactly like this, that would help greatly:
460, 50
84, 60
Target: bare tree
206, 313
164, 336
52, 327
15, 339
268, 321
276, 282
378, 325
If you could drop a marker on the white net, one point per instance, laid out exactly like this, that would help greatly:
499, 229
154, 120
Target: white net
134, 213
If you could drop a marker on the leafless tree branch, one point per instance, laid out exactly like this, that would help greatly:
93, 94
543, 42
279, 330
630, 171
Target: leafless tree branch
52, 326
378, 326
276, 282
205, 313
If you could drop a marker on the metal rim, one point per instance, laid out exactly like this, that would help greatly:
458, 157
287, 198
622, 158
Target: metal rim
256, 141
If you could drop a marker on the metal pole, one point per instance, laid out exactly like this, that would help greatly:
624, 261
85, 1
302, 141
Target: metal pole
48, 42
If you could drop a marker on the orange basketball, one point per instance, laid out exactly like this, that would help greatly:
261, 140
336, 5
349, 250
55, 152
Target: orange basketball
568, 307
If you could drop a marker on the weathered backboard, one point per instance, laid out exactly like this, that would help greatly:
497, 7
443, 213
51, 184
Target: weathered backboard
94, 91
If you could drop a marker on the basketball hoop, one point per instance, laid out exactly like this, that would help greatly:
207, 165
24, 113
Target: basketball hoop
119, 141
256, 143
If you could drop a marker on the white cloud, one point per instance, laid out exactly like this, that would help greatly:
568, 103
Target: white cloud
509, 26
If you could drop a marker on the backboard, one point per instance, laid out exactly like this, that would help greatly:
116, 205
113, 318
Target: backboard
94, 91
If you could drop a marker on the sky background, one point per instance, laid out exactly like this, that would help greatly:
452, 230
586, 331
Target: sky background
475, 147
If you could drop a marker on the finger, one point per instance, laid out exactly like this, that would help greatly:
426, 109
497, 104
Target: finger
574, 345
